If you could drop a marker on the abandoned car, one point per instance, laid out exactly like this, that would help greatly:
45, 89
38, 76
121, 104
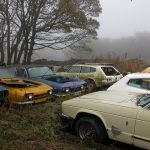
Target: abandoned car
102, 115
3, 96
23, 91
135, 82
96, 75
61, 85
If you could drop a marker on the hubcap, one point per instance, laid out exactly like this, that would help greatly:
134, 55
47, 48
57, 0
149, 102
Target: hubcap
90, 87
87, 131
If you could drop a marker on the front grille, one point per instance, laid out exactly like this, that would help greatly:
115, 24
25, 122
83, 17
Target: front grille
75, 89
40, 96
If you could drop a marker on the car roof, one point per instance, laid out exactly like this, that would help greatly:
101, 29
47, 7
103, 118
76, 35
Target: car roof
138, 75
93, 65
32, 66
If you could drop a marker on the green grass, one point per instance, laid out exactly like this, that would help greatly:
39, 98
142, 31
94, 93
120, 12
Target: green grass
33, 127
38, 127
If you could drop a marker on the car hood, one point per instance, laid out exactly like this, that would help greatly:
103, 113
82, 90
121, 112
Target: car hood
17, 82
112, 98
61, 82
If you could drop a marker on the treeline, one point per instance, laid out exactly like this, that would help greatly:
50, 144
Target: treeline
136, 46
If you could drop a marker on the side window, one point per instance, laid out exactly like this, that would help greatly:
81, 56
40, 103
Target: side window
93, 69
135, 83
85, 70
146, 84
21, 73
140, 83
75, 69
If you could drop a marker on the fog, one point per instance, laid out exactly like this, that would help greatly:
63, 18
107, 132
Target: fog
122, 18
136, 46
120, 22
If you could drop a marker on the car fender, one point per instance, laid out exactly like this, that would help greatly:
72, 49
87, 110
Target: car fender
94, 113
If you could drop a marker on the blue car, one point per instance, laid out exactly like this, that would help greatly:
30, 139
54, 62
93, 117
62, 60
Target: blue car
3, 96
61, 85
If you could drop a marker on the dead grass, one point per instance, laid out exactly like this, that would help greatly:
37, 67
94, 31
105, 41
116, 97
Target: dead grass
38, 127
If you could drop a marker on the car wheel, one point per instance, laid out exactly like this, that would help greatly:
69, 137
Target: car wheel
90, 86
90, 128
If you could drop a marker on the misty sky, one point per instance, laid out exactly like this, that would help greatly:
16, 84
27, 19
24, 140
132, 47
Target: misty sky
121, 18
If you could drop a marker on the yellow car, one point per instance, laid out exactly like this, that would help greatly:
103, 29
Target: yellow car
147, 70
22, 91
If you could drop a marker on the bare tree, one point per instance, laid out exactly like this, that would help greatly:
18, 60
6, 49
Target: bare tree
54, 24
2, 32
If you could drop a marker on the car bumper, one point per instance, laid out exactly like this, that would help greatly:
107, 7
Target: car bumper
66, 120
63, 94
31, 102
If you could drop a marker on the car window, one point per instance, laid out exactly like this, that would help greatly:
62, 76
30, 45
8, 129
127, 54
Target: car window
93, 69
39, 71
140, 83
21, 73
110, 71
75, 69
7, 72
87, 69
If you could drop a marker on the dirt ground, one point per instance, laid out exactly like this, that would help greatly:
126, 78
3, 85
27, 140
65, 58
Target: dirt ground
38, 127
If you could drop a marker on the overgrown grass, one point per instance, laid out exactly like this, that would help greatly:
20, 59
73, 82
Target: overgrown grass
38, 127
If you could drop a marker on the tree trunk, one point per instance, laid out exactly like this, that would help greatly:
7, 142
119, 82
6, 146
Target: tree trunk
8, 33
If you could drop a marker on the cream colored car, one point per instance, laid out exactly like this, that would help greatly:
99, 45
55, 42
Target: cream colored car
96, 75
107, 115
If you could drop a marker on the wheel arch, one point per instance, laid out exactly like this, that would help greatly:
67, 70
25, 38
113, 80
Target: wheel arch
91, 114
90, 79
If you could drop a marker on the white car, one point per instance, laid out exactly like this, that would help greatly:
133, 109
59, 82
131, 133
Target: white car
135, 82
103, 115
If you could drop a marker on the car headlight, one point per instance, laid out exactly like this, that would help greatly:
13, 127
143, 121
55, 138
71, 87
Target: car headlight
67, 90
82, 87
29, 96
50, 92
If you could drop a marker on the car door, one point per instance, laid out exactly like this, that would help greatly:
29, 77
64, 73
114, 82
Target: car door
142, 129
121, 123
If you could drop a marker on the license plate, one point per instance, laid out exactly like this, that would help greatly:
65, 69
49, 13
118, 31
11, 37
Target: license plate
77, 93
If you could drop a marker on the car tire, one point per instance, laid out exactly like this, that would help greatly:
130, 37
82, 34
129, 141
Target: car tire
90, 86
90, 128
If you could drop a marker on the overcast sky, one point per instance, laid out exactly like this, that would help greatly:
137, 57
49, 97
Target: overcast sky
121, 18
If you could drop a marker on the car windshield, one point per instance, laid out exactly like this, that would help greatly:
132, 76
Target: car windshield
144, 100
7, 72
39, 71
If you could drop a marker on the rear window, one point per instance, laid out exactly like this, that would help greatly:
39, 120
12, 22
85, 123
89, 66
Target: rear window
110, 71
